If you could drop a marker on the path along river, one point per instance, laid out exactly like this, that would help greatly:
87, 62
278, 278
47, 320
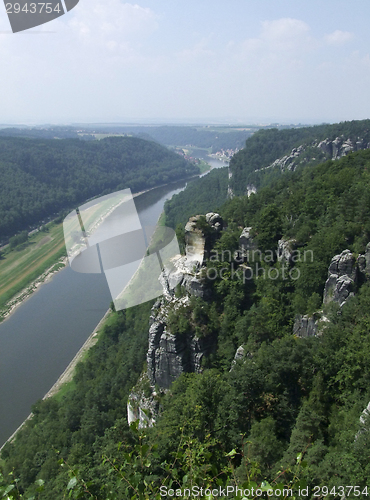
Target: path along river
42, 336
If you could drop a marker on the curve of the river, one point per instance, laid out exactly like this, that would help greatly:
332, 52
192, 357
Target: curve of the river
42, 336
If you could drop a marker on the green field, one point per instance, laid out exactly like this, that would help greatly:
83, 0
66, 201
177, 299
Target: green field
20, 266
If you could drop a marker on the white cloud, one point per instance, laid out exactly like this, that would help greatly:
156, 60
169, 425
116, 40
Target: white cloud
338, 37
112, 23
284, 33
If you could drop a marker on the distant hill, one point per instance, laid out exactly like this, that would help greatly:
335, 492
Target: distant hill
199, 137
52, 132
268, 152
41, 177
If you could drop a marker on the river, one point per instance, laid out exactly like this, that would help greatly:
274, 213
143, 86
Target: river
42, 336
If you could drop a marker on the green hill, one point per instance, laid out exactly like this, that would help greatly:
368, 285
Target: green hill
266, 146
40, 178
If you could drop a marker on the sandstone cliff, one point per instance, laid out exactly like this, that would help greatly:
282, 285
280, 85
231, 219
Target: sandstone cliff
171, 353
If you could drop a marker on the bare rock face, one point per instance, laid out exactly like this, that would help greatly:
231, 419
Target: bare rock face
342, 278
246, 241
333, 150
251, 189
305, 326
341, 147
171, 355
142, 404
195, 241
288, 162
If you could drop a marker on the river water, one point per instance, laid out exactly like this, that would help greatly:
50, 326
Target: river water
38, 341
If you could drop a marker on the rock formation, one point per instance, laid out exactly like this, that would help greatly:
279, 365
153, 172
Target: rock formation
333, 150
345, 274
285, 250
169, 353
342, 278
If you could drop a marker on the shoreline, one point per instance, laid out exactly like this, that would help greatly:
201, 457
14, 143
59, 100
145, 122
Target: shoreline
26, 293
18, 299
68, 373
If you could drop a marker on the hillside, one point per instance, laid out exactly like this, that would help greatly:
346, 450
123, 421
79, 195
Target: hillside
249, 390
40, 178
269, 152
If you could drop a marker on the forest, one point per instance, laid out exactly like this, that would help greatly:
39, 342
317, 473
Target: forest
265, 146
287, 414
41, 178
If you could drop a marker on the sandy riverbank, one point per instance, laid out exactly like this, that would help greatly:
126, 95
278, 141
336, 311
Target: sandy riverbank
22, 296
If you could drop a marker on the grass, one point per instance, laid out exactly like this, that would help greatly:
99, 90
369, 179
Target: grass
204, 166
65, 389
20, 266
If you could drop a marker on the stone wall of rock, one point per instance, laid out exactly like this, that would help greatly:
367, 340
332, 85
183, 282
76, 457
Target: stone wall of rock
170, 355
345, 275
342, 278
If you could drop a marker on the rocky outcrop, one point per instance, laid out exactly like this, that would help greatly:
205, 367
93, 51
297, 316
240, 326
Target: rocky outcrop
169, 353
345, 275
251, 189
246, 241
342, 278
332, 150
285, 250
340, 147
309, 326
142, 404
288, 162
230, 192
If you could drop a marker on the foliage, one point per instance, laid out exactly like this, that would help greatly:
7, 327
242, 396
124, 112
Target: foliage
43, 177
199, 197
18, 239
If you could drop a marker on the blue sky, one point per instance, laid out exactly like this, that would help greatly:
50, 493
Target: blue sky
232, 61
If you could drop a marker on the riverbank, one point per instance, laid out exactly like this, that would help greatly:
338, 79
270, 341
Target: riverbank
68, 373
33, 260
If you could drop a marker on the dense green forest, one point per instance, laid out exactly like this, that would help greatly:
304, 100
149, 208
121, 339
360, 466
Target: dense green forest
42, 177
200, 196
288, 412
265, 146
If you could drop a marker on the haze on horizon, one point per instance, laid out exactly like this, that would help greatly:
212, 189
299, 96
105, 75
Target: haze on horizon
234, 61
